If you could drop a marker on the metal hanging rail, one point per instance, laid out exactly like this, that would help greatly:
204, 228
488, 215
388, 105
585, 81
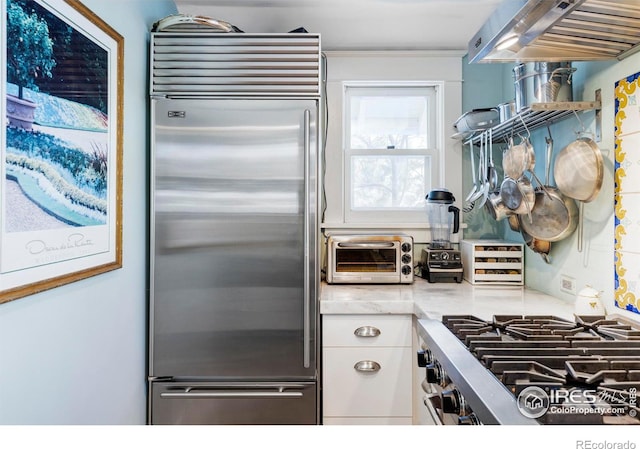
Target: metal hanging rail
532, 117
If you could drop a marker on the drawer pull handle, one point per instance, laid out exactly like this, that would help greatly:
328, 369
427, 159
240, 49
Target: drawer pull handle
367, 331
367, 366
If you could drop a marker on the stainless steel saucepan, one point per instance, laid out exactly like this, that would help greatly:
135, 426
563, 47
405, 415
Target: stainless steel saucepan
518, 158
518, 195
496, 207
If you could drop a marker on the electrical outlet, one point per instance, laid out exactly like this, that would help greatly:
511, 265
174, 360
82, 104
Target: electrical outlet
567, 284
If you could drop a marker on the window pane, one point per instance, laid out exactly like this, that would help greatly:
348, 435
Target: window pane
388, 122
379, 182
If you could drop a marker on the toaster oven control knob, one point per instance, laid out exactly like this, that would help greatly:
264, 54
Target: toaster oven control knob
452, 402
406, 270
469, 420
406, 258
406, 247
435, 373
424, 357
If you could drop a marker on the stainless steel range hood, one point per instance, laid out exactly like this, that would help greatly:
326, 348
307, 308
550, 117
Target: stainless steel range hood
555, 30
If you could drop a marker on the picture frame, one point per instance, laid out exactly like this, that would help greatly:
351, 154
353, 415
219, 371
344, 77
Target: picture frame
61, 134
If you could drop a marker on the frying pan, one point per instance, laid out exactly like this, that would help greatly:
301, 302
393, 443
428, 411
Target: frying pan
554, 215
579, 171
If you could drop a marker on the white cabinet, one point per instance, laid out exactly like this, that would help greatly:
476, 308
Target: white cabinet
367, 369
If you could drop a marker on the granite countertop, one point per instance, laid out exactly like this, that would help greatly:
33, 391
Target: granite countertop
427, 300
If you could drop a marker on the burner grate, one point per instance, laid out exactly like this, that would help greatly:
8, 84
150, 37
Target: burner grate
586, 355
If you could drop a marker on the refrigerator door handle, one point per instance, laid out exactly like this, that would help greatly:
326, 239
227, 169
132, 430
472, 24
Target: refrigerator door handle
249, 391
232, 394
307, 265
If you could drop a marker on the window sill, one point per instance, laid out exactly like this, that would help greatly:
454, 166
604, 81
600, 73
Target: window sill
419, 231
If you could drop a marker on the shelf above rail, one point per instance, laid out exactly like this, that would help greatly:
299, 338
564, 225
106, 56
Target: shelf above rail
532, 117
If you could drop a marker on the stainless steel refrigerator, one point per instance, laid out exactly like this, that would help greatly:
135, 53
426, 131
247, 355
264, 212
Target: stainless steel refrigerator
233, 327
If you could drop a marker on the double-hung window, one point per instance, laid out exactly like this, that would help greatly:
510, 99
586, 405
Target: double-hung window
391, 151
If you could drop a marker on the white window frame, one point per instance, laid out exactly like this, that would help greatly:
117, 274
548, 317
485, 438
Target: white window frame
434, 90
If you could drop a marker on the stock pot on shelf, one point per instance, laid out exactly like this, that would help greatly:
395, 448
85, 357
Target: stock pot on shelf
542, 82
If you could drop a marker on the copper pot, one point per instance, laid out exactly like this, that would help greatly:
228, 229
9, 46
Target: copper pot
539, 246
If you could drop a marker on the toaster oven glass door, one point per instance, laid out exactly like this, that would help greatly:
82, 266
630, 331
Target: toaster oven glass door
366, 260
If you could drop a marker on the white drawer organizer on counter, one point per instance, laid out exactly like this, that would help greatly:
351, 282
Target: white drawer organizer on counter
492, 262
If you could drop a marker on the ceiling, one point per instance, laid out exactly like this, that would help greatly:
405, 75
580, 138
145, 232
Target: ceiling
357, 24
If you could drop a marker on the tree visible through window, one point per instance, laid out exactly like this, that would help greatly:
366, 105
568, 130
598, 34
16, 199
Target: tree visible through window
391, 149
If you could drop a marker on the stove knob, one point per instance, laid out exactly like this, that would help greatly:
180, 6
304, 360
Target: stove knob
469, 420
406, 247
452, 402
406, 259
424, 357
406, 270
435, 373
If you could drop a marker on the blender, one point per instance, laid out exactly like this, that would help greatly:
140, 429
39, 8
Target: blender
440, 261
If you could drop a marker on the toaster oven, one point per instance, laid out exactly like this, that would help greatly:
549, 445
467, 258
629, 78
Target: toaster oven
369, 259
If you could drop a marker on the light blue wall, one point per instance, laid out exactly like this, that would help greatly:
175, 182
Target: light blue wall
594, 265
483, 86
77, 354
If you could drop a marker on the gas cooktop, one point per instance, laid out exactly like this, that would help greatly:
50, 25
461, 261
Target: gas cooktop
554, 371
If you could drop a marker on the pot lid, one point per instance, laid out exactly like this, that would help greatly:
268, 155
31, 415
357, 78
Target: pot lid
589, 292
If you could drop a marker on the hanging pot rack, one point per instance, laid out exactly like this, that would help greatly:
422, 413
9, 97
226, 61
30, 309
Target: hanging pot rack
532, 117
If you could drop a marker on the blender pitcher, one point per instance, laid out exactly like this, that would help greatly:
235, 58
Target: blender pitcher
443, 215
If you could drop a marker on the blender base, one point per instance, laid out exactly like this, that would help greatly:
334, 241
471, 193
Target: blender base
441, 277
441, 265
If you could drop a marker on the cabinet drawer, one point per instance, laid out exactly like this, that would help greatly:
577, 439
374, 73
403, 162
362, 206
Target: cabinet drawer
366, 330
377, 421
349, 392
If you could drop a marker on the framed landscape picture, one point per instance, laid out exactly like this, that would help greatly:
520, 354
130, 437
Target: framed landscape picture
61, 135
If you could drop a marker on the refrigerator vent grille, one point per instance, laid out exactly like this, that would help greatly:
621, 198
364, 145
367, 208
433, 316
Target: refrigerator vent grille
227, 64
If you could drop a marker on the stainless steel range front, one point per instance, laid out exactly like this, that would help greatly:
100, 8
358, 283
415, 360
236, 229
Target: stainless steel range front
516, 369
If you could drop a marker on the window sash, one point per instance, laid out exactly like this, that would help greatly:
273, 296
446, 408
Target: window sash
357, 211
